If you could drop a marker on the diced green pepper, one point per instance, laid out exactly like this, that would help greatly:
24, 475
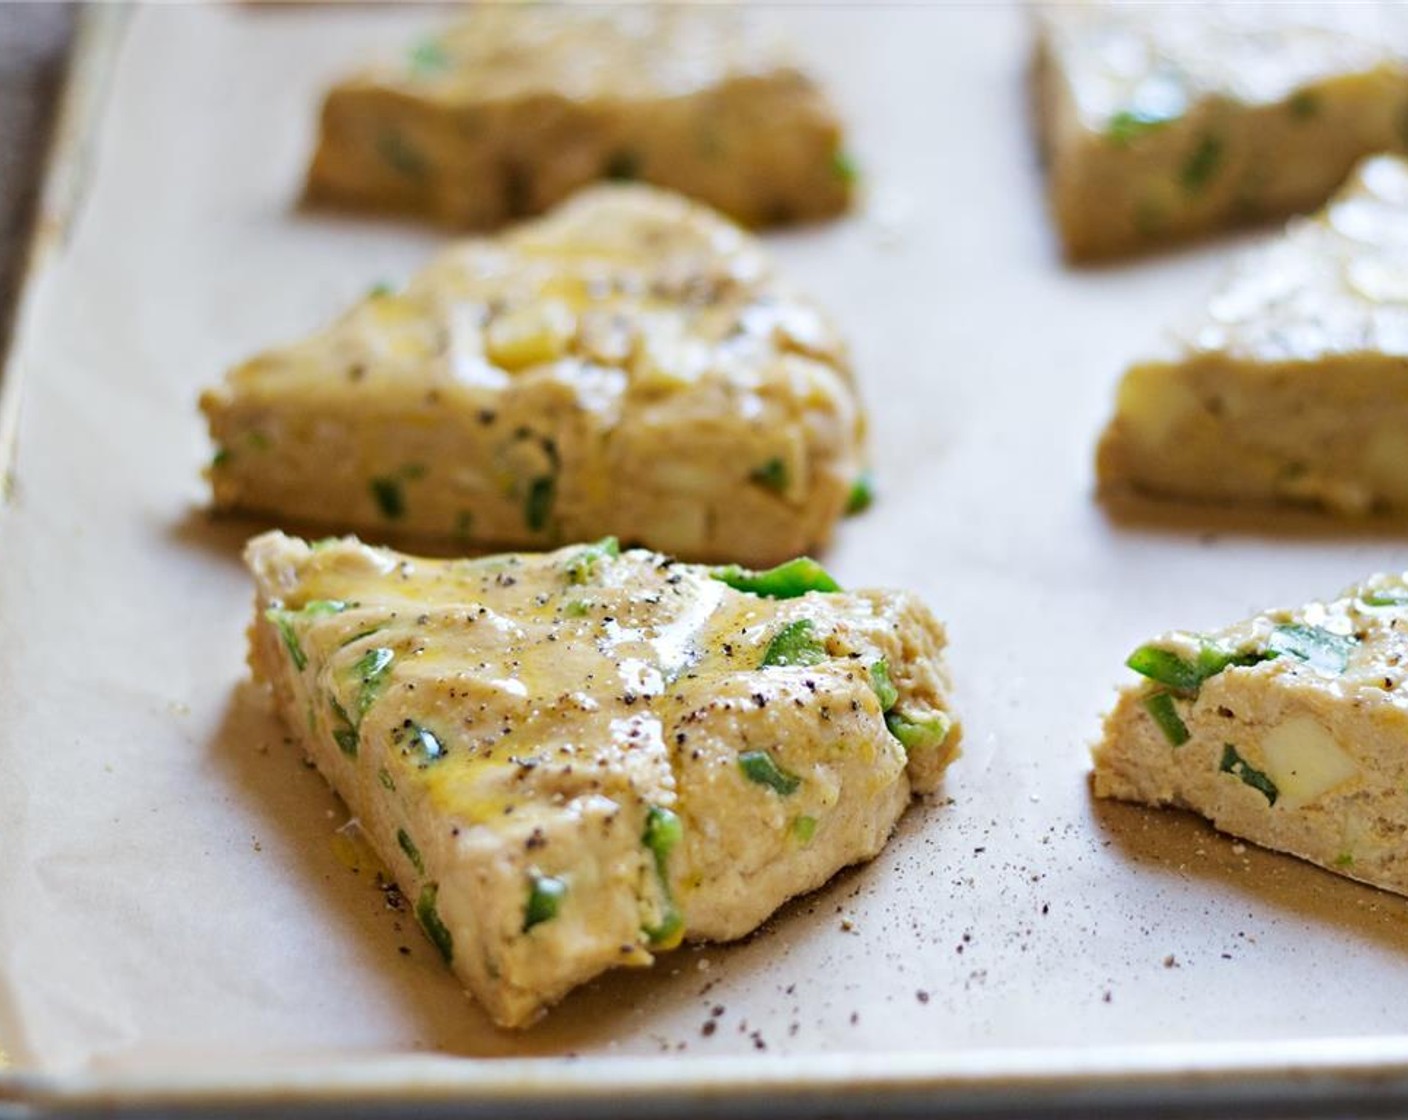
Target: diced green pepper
418, 742
1160, 707
1319, 648
220, 458
429, 917
919, 734
884, 687
844, 167
1128, 125
283, 620
537, 506
1304, 104
663, 832
412, 852
372, 669
1202, 164
388, 783
862, 495
428, 742
666, 934
545, 895
759, 767
344, 734
804, 828
429, 57
794, 644
1167, 667
1386, 597
357, 637
390, 498
786, 581
772, 475
583, 562
398, 154
1235, 764
1187, 676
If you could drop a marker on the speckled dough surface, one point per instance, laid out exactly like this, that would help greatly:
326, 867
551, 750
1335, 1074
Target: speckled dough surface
1166, 120
630, 364
1291, 388
576, 760
516, 106
1289, 729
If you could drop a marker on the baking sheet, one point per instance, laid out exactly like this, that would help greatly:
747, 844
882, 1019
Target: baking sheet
181, 914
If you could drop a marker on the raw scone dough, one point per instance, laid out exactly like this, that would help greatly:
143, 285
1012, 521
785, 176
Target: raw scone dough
573, 760
1161, 121
1289, 729
629, 364
519, 105
1292, 388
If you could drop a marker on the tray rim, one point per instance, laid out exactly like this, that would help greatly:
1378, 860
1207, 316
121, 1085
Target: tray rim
92, 53
1309, 1076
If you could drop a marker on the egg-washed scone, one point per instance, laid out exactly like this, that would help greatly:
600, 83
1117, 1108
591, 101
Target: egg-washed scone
1289, 730
574, 760
1292, 387
519, 105
628, 365
1162, 121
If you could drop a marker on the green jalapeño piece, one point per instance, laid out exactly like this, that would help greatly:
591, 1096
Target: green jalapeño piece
786, 581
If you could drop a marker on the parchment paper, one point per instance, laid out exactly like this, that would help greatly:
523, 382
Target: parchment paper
173, 892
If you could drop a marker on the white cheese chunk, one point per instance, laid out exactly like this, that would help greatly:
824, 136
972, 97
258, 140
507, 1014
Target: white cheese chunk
1304, 760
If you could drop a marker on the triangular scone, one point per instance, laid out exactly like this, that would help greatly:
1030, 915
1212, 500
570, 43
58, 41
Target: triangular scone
1289, 729
519, 105
573, 760
628, 365
1166, 120
1293, 387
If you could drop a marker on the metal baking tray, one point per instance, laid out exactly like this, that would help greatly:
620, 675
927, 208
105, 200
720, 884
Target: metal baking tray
184, 925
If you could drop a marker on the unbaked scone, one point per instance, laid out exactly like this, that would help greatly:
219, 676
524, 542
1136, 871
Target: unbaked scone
1165, 120
629, 364
574, 760
1289, 730
1292, 387
519, 105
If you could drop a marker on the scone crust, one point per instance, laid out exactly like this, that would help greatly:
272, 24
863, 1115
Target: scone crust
571, 761
1299, 744
518, 106
631, 364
